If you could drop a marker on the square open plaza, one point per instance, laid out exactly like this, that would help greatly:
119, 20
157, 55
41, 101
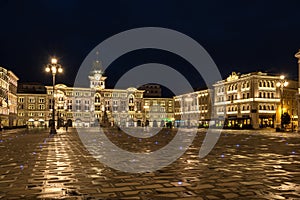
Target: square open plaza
255, 156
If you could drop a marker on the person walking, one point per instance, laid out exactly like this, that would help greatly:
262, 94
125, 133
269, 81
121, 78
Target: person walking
66, 125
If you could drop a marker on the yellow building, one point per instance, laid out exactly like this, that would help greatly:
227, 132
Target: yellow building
12, 98
8, 98
4, 88
252, 100
193, 109
157, 112
32, 105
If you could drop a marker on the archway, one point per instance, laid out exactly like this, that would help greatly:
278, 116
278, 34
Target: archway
139, 123
154, 123
69, 123
162, 123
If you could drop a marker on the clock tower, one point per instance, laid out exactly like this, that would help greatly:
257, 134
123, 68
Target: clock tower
97, 80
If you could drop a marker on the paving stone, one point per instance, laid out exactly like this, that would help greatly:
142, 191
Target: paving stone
166, 196
127, 184
118, 189
251, 183
222, 190
172, 189
212, 197
230, 195
148, 186
201, 186
102, 195
62, 168
229, 184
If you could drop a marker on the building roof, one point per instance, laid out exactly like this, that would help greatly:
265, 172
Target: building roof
31, 87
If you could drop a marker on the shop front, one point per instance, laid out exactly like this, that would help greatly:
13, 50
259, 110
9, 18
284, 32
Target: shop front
235, 122
266, 121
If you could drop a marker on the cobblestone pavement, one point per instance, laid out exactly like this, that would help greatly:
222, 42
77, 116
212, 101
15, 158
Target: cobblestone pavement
242, 165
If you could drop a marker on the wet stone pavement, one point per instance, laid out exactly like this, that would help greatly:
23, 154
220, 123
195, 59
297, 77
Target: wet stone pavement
242, 165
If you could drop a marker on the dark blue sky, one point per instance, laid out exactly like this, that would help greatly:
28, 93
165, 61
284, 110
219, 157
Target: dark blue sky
239, 35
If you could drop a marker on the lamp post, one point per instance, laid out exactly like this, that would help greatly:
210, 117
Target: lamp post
281, 84
53, 68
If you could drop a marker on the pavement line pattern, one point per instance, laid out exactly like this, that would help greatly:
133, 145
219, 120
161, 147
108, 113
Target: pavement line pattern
247, 165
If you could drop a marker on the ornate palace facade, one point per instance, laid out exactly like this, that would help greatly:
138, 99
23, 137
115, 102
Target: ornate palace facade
252, 100
94, 106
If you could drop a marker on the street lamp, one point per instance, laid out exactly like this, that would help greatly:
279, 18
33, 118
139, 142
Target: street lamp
53, 68
281, 84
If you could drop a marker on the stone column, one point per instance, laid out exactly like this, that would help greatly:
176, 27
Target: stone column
297, 55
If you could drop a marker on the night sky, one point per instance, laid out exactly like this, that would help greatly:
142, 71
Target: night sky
240, 36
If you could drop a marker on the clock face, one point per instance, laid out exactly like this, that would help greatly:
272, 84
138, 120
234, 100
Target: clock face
97, 77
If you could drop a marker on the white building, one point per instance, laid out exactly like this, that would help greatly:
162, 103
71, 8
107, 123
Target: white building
249, 100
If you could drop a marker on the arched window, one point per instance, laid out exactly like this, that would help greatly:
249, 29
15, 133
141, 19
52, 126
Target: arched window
248, 84
264, 107
259, 94
260, 107
130, 100
268, 84
260, 84
97, 98
272, 107
264, 84
248, 107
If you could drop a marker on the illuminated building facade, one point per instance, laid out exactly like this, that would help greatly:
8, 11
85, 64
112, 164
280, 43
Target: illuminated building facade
12, 99
97, 105
8, 98
157, 112
193, 109
4, 88
32, 105
85, 107
251, 100
289, 103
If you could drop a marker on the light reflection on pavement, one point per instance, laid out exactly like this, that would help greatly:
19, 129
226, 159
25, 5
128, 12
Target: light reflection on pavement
244, 164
